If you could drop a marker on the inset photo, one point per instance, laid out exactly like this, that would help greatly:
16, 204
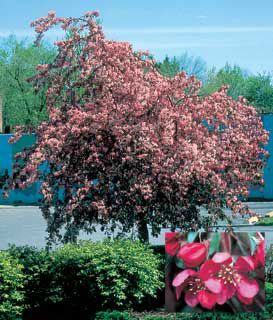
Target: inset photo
216, 271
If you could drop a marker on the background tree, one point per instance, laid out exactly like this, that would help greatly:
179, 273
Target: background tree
168, 67
195, 66
233, 76
18, 61
256, 88
125, 146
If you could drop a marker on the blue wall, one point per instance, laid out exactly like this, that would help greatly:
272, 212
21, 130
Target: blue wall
266, 192
31, 195
5, 153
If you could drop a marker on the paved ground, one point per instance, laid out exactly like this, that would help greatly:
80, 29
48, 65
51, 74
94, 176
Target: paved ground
25, 225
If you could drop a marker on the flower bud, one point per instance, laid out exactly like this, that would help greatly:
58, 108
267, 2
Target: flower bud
193, 254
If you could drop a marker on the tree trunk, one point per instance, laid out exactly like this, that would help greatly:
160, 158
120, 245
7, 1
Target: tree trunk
143, 233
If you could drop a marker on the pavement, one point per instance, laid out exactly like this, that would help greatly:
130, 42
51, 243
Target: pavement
24, 225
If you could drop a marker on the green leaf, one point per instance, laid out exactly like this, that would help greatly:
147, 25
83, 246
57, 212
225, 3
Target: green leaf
191, 236
179, 263
187, 309
253, 245
251, 234
214, 243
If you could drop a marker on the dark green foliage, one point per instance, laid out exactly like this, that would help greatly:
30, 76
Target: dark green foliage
170, 317
117, 315
269, 300
37, 270
113, 315
11, 287
269, 264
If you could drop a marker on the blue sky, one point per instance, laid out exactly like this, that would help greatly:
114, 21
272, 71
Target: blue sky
240, 32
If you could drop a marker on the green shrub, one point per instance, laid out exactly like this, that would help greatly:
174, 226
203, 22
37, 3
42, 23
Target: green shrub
115, 274
269, 264
37, 266
118, 315
167, 317
265, 221
268, 314
11, 287
113, 315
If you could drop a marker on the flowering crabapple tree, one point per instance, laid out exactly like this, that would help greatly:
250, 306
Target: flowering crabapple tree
125, 146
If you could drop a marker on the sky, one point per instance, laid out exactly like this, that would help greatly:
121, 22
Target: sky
235, 31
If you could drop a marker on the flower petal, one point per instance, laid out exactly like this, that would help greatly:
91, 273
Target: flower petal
244, 264
222, 258
247, 288
244, 300
191, 299
182, 276
214, 285
228, 290
221, 298
207, 299
178, 291
208, 269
